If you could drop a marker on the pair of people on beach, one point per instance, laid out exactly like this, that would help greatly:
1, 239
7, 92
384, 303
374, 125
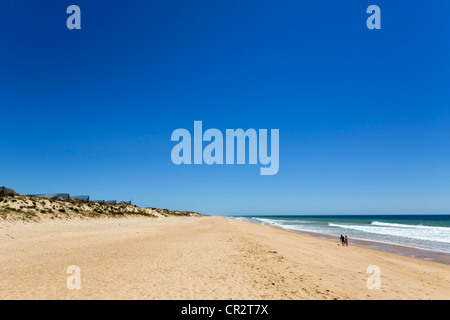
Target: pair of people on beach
344, 240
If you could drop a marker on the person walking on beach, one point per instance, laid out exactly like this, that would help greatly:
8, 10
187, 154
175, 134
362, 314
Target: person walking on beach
346, 241
342, 240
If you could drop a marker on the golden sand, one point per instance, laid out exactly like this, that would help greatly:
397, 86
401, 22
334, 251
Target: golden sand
200, 258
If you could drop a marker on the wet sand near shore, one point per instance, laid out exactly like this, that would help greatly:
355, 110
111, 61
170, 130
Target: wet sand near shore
429, 255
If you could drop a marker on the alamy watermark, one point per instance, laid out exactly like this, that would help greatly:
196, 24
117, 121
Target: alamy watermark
74, 280
374, 280
74, 20
213, 153
374, 20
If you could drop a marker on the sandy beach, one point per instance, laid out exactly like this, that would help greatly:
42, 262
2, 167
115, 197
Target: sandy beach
200, 258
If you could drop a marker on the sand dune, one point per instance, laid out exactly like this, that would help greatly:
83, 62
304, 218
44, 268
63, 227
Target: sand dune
199, 258
30, 208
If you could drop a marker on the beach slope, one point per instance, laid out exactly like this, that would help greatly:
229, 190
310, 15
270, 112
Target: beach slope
200, 258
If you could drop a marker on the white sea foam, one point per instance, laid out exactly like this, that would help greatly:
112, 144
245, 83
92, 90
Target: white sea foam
413, 226
427, 233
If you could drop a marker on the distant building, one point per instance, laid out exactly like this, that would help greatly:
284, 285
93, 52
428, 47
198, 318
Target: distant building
7, 192
125, 202
55, 196
81, 198
111, 202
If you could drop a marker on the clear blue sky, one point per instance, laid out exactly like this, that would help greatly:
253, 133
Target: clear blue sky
364, 115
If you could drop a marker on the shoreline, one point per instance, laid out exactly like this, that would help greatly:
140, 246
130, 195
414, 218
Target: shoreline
409, 251
413, 252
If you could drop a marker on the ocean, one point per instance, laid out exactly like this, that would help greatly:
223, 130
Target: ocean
425, 232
